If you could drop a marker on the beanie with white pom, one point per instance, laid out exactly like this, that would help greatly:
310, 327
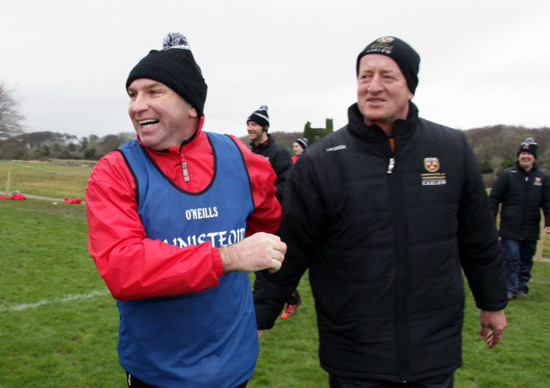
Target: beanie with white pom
175, 67
260, 117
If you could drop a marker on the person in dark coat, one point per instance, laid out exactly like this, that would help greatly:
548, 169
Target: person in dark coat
262, 143
298, 147
387, 213
521, 191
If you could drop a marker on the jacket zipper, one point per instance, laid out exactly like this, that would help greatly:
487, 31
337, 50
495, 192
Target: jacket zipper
525, 201
184, 168
391, 165
401, 270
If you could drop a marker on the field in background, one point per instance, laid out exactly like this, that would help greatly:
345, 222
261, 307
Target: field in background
44, 179
69, 180
58, 324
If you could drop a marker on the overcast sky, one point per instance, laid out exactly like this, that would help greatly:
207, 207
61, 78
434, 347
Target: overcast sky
483, 62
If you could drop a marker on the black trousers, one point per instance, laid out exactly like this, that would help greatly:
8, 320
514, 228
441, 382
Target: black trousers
432, 382
137, 383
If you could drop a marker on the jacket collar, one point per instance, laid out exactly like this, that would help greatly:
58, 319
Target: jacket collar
262, 145
178, 149
534, 168
401, 128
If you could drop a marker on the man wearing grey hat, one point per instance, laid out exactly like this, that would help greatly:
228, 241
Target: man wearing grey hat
386, 213
176, 219
521, 192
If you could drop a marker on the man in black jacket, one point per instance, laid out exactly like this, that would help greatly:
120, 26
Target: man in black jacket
522, 190
261, 142
386, 213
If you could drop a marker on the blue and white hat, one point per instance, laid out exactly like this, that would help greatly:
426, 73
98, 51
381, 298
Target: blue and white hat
260, 117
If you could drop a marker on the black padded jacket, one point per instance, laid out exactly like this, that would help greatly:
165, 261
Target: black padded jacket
385, 234
280, 160
521, 195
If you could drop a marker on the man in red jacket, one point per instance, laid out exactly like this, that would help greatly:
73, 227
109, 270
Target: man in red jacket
177, 218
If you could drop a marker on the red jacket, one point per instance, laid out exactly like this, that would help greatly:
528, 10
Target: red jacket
135, 267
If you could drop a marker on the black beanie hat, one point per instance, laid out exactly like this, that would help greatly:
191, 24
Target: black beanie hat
260, 117
528, 145
404, 55
176, 68
302, 141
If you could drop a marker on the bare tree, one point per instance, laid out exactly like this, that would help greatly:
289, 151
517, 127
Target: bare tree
10, 118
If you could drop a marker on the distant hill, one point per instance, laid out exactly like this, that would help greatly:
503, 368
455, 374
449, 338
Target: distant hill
495, 146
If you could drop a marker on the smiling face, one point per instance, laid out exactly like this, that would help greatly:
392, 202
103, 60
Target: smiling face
382, 93
526, 160
161, 117
256, 132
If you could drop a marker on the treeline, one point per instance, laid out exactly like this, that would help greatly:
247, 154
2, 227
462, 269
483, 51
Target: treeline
53, 145
495, 146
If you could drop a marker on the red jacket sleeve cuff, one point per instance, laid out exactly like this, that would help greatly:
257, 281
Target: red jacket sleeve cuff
217, 264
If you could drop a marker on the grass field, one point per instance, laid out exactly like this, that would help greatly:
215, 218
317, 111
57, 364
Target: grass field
58, 324
44, 179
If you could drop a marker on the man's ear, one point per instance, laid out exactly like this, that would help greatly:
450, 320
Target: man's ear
193, 112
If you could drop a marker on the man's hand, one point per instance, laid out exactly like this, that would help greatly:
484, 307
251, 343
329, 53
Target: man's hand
255, 253
547, 229
260, 334
494, 321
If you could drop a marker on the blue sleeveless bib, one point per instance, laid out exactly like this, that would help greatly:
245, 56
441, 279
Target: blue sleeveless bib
204, 339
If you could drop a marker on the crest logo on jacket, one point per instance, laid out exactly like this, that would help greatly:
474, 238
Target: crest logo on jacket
538, 181
433, 177
431, 164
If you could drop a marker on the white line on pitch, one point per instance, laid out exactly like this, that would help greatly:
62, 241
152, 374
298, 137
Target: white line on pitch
70, 298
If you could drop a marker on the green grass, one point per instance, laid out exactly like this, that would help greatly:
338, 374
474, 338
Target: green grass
45, 179
68, 341
546, 247
521, 359
59, 326
289, 351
